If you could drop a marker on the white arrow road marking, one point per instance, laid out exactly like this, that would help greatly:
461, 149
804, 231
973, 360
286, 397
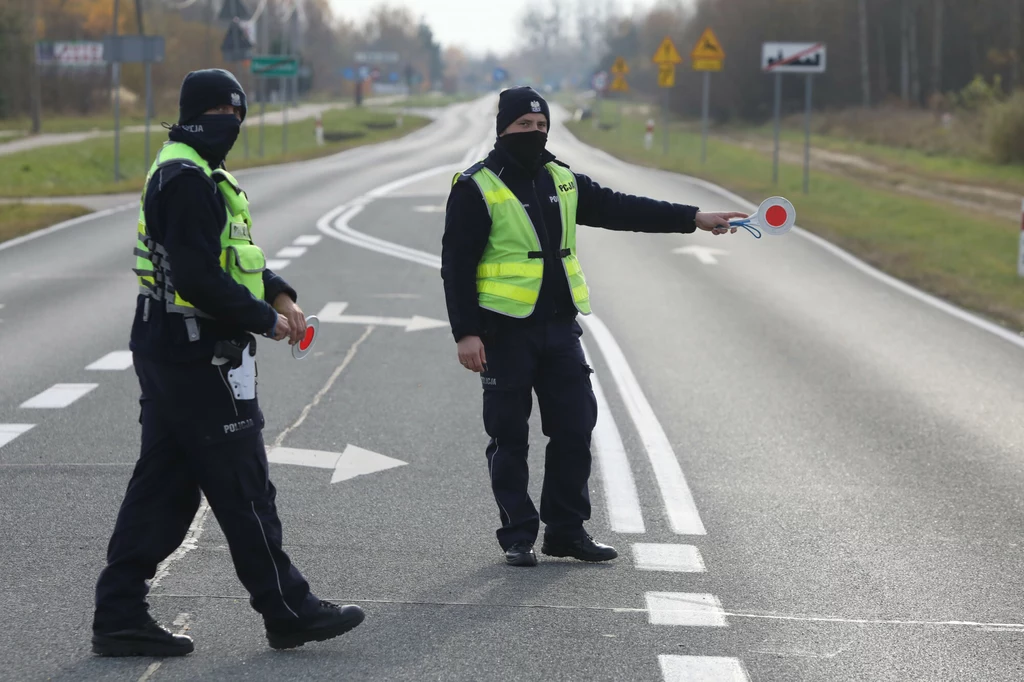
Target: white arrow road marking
116, 360
354, 461
9, 432
430, 209
705, 254
59, 395
332, 312
709, 668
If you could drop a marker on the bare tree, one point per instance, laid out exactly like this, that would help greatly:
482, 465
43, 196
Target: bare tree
937, 30
865, 66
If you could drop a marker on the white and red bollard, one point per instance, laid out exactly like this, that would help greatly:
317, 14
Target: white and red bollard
649, 135
319, 128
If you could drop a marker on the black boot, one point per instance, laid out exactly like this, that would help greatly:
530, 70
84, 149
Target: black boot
521, 554
329, 621
149, 640
584, 548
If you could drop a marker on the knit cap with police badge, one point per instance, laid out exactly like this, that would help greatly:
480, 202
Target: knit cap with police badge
208, 88
515, 102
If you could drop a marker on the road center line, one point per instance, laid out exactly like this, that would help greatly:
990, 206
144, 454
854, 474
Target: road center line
58, 396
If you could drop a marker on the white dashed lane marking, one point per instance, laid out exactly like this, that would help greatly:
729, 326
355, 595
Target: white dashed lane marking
9, 432
291, 252
117, 360
668, 557
702, 668
277, 264
685, 608
58, 395
308, 240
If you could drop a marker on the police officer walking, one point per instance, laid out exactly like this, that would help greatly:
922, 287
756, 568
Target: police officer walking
205, 292
513, 287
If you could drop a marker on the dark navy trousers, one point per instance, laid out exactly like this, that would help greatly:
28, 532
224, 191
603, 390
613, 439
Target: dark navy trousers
196, 436
547, 359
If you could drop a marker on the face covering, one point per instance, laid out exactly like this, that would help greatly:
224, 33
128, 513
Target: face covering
212, 135
526, 148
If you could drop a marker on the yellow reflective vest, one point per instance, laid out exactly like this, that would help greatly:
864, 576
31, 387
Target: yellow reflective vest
511, 270
240, 257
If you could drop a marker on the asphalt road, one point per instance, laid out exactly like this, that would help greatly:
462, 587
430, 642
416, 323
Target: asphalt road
810, 474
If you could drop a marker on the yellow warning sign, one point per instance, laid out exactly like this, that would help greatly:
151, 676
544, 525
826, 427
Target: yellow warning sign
708, 47
667, 54
619, 84
620, 67
707, 64
666, 75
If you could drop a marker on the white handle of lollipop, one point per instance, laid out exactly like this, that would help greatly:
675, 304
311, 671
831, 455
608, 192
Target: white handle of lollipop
775, 216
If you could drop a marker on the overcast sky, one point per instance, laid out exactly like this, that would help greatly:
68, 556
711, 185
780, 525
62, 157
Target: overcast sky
463, 23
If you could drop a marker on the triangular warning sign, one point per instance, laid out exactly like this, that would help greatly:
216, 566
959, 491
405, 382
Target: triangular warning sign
667, 53
620, 66
708, 47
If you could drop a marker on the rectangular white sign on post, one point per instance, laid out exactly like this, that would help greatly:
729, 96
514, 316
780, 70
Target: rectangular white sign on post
793, 57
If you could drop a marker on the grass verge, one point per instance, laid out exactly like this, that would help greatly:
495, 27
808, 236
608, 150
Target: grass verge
19, 219
943, 250
88, 167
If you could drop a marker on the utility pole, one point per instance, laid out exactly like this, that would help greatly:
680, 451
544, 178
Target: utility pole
37, 104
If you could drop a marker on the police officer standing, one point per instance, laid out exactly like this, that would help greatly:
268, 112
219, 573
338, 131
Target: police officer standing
513, 287
204, 294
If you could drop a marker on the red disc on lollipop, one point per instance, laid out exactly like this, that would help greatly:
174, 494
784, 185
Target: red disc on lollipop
305, 345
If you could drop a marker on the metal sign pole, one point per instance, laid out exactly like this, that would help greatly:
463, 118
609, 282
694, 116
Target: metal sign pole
116, 69
664, 120
284, 126
149, 112
778, 113
807, 137
704, 125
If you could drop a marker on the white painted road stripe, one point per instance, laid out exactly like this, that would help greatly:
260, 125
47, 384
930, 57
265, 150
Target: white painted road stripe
277, 264
620, 494
701, 669
59, 395
675, 493
308, 240
9, 432
684, 608
291, 252
667, 557
116, 360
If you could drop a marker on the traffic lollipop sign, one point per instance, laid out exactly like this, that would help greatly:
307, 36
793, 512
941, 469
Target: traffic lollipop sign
775, 216
305, 345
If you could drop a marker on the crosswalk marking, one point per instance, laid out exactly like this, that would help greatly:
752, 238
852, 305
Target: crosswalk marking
58, 395
9, 432
115, 360
684, 608
668, 557
701, 668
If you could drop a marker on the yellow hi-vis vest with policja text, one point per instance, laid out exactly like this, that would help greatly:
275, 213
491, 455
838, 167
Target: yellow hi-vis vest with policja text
239, 256
511, 270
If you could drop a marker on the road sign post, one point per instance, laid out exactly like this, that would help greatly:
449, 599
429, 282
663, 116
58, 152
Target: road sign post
801, 58
707, 56
1020, 250
119, 50
666, 57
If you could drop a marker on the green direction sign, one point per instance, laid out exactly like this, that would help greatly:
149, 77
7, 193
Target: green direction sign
275, 65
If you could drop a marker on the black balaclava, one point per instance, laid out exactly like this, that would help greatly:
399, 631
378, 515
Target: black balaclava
526, 148
212, 135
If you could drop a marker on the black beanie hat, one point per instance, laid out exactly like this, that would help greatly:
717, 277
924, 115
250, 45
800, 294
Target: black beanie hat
206, 89
515, 102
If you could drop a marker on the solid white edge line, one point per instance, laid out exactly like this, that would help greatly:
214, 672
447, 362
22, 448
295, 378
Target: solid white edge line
675, 492
623, 503
676, 668
842, 254
66, 224
58, 396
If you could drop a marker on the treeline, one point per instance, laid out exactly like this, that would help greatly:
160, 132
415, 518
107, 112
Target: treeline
916, 53
194, 33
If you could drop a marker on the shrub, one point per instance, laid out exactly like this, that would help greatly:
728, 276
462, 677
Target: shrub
1005, 127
